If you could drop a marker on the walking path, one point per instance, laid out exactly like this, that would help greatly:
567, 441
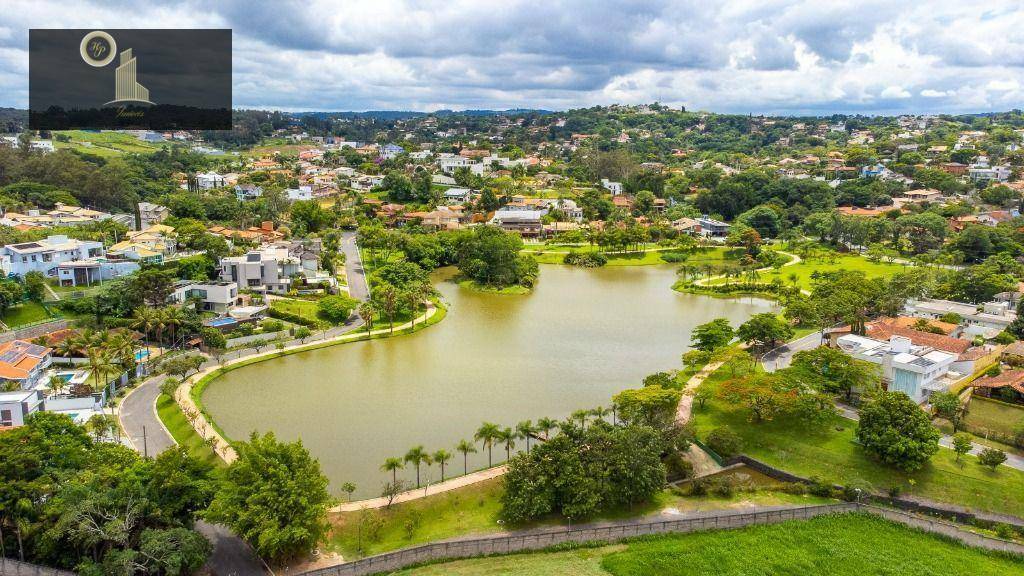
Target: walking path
428, 490
946, 441
686, 400
794, 259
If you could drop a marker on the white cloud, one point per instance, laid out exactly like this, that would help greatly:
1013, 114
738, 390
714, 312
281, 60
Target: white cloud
775, 56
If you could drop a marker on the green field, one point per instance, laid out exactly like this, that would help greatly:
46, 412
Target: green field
183, 432
805, 268
554, 254
25, 313
831, 453
838, 545
106, 144
307, 309
984, 414
473, 510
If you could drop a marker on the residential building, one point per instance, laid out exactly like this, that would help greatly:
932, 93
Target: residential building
917, 371
526, 222
989, 173
18, 404
89, 271
212, 296
389, 151
248, 192
300, 193
264, 270
150, 214
45, 255
457, 195
986, 320
614, 187
149, 246
210, 180
23, 363
713, 228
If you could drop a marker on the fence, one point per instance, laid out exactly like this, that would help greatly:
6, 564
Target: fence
34, 331
545, 538
10, 567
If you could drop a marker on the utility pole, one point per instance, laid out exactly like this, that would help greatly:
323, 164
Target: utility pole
145, 447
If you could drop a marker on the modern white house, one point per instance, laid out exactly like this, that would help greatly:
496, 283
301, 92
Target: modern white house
212, 296
264, 270
300, 193
457, 195
89, 271
210, 180
917, 371
16, 405
151, 214
46, 255
985, 320
711, 227
248, 192
614, 187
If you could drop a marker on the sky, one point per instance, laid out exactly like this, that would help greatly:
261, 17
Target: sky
747, 56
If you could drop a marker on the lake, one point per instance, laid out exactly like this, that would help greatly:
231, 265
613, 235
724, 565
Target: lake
580, 337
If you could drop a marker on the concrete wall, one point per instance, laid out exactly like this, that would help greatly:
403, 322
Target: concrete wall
34, 331
248, 340
9, 567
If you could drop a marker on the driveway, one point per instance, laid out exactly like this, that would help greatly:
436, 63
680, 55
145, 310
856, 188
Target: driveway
782, 356
139, 421
357, 286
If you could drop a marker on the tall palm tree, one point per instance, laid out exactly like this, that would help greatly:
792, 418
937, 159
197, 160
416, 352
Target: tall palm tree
526, 430
507, 437
442, 457
393, 465
599, 413
466, 447
56, 385
366, 311
174, 318
411, 298
99, 365
144, 320
486, 434
416, 456
580, 415
159, 324
545, 425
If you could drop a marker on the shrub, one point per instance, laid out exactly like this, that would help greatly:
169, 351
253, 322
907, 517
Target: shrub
724, 442
895, 490
699, 487
677, 467
820, 487
991, 457
857, 488
1005, 531
336, 309
585, 259
994, 371
270, 325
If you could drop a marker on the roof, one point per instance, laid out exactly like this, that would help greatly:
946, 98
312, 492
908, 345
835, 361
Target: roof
1014, 349
18, 358
1012, 378
885, 328
909, 322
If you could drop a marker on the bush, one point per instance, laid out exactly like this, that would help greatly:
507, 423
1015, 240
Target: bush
270, 325
857, 488
820, 487
1005, 531
677, 467
336, 309
724, 487
991, 457
724, 442
585, 259
699, 487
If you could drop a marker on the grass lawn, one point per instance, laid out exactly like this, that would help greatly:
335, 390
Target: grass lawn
473, 510
554, 254
831, 453
984, 414
25, 313
305, 308
841, 545
106, 144
805, 268
514, 290
183, 433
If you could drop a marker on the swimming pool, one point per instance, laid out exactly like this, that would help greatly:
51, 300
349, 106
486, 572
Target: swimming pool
141, 355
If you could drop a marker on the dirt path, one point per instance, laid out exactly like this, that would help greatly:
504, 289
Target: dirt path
686, 401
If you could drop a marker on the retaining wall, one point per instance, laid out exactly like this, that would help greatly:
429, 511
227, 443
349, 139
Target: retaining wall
11, 567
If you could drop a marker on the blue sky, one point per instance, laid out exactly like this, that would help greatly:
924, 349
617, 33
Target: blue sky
767, 56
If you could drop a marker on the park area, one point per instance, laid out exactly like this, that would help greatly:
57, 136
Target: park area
839, 545
648, 254
985, 415
831, 453
801, 272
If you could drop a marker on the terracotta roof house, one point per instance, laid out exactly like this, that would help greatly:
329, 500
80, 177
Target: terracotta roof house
858, 211
23, 362
885, 328
909, 322
1013, 379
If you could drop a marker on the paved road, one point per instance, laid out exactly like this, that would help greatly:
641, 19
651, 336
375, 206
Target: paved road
231, 555
357, 286
946, 441
782, 356
139, 420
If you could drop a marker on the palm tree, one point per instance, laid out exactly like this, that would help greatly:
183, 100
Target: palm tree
442, 457
526, 430
174, 318
416, 456
545, 425
600, 412
100, 364
580, 415
159, 324
508, 438
486, 434
392, 465
56, 385
466, 447
366, 311
144, 320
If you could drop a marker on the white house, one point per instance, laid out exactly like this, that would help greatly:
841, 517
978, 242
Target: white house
45, 255
457, 195
986, 320
300, 193
213, 296
210, 180
917, 371
248, 192
264, 270
88, 271
614, 187
17, 404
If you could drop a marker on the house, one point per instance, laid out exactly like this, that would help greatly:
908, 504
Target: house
389, 151
150, 214
92, 270
457, 195
1013, 354
16, 405
1009, 383
300, 193
440, 219
925, 195
148, 246
526, 222
713, 228
248, 192
614, 187
980, 173
986, 320
45, 255
917, 371
210, 180
966, 354
569, 208
23, 363
954, 168
264, 270
873, 171
686, 225
212, 296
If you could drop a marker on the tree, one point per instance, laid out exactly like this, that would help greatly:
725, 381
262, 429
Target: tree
393, 465
991, 457
417, 456
348, 488
466, 448
486, 434
764, 331
392, 490
174, 551
35, 286
302, 332
152, 286
490, 256
336, 309
833, 371
213, 338
274, 496
962, 444
182, 366
763, 394
651, 405
724, 441
712, 335
947, 405
442, 457
895, 430
308, 215
526, 430
507, 436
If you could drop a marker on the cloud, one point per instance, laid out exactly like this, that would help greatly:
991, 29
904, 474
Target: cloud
768, 56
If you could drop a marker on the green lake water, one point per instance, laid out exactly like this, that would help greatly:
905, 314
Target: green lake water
580, 337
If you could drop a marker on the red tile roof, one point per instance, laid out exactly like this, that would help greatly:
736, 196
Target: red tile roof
885, 328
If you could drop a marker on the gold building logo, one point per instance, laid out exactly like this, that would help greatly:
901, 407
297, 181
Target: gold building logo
98, 49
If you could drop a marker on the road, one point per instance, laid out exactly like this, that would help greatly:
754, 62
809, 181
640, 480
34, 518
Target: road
357, 286
946, 441
231, 555
139, 421
782, 356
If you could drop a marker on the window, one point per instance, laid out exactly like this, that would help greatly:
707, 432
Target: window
6, 418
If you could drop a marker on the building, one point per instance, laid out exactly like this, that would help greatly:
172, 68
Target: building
151, 214
23, 363
389, 151
713, 228
986, 320
917, 371
614, 187
264, 270
525, 222
89, 271
212, 296
458, 195
148, 246
45, 255
248, 192
989, 173
300, 193
210, 180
